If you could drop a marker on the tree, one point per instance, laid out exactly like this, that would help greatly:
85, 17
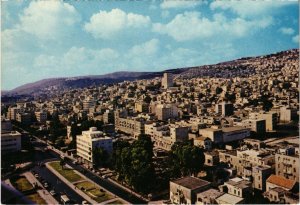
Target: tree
134, 163
100, 157
62, 163
186, 159
219, 90
147, 99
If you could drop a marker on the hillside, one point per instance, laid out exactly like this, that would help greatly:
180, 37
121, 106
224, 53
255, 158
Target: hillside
243, 67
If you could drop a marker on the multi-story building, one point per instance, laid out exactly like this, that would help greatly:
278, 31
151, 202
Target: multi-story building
167, 80
287, 163
166, 111
12, 112
108, 117
237, 187
287, 114
185, 190
225, 134
164, 136
41, 116
224, 109
24, 118
89, 140
130, 125
208, 197
256, 125
10, 141
88, 103
141, 107
260, 175
270, 117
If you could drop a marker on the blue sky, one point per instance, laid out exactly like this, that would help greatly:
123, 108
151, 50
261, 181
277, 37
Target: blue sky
43, 39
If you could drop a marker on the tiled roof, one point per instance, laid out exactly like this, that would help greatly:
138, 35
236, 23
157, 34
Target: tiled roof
281, 181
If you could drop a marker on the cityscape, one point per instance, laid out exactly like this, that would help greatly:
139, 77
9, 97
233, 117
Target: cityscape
199, 130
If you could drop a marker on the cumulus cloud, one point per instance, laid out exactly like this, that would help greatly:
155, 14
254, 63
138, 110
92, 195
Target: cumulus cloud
107, 24
145, 49
191, 25
250, 8
287, 31
176, 4
48, 19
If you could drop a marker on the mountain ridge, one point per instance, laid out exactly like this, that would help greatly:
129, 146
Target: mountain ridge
213, 70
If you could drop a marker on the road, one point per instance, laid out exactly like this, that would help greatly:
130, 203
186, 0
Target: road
100, 181
55, 183
58, 185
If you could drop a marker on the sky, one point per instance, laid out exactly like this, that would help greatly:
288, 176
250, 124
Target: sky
44, 39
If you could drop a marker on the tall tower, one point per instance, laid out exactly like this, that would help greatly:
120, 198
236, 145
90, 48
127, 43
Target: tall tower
167, 80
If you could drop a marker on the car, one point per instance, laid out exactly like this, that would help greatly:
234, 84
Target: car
52, 192
36, 175
104, 177
46, 185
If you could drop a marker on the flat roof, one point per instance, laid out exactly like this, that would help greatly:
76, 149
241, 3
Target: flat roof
191, 182
235, 128
229, 199
210, 193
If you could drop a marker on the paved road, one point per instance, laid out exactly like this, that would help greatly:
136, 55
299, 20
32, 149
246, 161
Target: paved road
53, 180
102, 182
58, 185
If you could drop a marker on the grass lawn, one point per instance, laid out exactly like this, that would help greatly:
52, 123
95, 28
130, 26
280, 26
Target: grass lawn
86, 185
69, 174
22, 184
116, 202
94, 191
36, 198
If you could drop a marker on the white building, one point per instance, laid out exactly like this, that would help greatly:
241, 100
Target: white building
89, 140
10, 141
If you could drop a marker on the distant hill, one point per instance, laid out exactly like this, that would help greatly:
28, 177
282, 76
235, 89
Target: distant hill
237, 68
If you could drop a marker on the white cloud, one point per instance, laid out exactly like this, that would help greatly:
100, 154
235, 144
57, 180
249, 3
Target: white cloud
49, 19
191, 25
176, 4
287, 31
296, 39
146, 49
107, 24
250, 8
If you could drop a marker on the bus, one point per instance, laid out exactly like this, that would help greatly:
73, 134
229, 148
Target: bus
64, 199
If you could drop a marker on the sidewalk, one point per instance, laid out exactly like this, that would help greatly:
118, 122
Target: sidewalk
127, 189
43, 193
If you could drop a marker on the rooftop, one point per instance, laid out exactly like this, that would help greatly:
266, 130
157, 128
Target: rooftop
281, 181
191, 182
229, 199
211, 193
232, 129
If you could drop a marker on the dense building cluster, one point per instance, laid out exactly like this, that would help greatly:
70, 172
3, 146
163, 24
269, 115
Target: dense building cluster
234, 112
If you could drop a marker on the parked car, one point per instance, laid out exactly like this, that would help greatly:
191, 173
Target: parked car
85, 203
52, 192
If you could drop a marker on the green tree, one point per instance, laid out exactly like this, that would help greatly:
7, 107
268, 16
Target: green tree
100, 157
187, 158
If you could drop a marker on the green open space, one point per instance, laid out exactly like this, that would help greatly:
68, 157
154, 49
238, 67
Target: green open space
116, 202
22, 184
36, 198
69, 174
94, 191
